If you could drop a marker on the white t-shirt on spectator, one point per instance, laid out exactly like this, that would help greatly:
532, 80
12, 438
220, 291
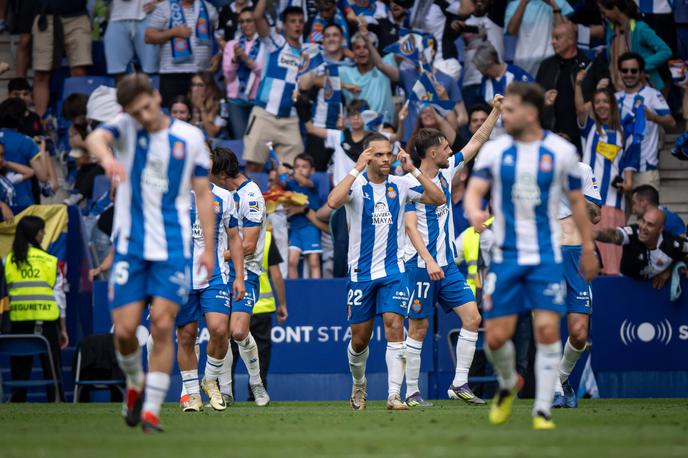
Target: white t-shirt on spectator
201, 54
127, 10
434, 24
495, 35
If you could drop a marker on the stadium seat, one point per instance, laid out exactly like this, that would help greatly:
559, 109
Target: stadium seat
237, 146
453, 336
100, 347
261, 180
85, 84
28, 345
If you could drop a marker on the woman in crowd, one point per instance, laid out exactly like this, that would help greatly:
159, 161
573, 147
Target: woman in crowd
613, 158
37, 302
181, 108
206, 102
429, 118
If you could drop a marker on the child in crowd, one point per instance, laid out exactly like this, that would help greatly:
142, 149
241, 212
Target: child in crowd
11, 173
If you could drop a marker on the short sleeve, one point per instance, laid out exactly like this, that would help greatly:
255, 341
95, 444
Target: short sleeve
484, 163
410, 207
228, 206
274, 256
30, 150
591, 190
456, 163
160, 19
586, 127
252, 210
212, 13
509, 13
119, 125
273, 41
627, 232
566, 9
334, 138
415, 193
201, 156
571, 173
659, 104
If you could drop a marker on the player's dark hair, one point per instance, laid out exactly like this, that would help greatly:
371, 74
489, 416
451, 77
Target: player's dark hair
131, 86
373, 137
224, 161
425, 139
305, 157
18, 84
630, 55
355, 106
74, 105
290, 11
647, 192
12, 111
25, 236
530, 93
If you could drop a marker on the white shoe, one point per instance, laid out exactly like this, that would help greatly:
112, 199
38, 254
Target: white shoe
213, 391
260, 395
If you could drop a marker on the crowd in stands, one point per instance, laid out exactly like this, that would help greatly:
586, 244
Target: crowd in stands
294, 86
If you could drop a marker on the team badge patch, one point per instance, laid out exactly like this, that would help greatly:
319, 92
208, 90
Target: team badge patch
202, 25
178, 151
391, 193
216, 207
408, 45
416, 306
546, 163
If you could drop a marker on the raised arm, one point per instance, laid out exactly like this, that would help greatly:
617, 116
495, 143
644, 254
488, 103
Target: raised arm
515, 22
391, 71
582, 108
432, 194
483, 133
411, 221
262, 26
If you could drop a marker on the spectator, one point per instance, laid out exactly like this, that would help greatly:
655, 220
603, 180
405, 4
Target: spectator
37, 303
30, 123
429, 118
398, 18
75, 30
646, 197
648, 250
11, 173
181, 108
557, 75
372, 74
658, 14
230, 22
531, 21
206, 102
125, 37
328, 14
185, 31
625, 33
272, 118
242, 66
638, 101
480, 26
25, 12
447, 89
612, 157
304, 237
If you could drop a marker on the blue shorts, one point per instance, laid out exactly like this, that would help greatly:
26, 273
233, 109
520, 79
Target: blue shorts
578, 292
450, 292
122, 39
134, 279
214, 298
365, 299
511, 289
306, 239
245, 305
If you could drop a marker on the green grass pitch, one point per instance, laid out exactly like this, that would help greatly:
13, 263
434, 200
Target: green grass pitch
616, 428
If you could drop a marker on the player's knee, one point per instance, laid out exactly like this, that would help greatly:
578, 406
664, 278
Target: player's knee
239, 334
218, 331
472, 321
578, 335
547, 333
394, 329
186, 338
418, 329
162, 326
495, 340
359, 343
124, 332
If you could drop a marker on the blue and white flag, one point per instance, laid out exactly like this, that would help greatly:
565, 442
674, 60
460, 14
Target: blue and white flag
372, 119
415, 46
425, 94
311, 58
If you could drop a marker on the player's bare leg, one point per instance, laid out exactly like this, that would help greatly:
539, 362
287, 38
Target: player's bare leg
248, 350
417, 330
547, 358
218, 327
500, 350
126, 320
357, 353
465, 350
188, 366
578, 324
394, 332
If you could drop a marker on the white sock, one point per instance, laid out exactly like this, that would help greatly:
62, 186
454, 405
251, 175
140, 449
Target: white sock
249, 354
157, 384
149, 348
465, 349
413, 350
224, 378
395, 367
557, 386
190, 382
547, 358
213, 367
357, 364
568, 361
132, 367
503, 360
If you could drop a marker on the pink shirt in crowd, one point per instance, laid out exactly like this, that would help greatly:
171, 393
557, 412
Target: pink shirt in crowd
229, 68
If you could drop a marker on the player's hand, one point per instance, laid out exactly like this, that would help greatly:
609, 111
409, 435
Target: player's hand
580, 76
477, 220
282, 314
207, 261
365, 158
238, 289
602, 84
497, 101
405, 159
435, 272
114, 169
589, 266
292, 210
182, 31
64, 338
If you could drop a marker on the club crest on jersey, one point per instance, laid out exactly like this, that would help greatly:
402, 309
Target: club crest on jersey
416, 306
408, 45
381, 215
443, 182
178, 151
391, 193
546, 163
216, 207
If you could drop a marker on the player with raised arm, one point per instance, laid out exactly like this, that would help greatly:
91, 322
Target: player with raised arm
430, 252
527, 170
249, 223
210, 297
158, 162
375, 203
578, 292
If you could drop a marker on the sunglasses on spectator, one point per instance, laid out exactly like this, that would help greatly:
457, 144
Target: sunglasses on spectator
632, 71
245, 21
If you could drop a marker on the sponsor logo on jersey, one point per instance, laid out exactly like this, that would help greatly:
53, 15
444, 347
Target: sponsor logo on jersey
526, 189
442, 210
254, 206
289, 60
381, 215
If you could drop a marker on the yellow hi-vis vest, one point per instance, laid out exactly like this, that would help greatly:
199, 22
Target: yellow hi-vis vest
471, 255
266, 301
30, 286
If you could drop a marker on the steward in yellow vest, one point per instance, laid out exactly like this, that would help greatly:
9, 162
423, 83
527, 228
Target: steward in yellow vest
30, 286
470, 248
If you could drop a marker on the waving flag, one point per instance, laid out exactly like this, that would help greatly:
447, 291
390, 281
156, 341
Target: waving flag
415, 46
311, 58
372, 120
425, 94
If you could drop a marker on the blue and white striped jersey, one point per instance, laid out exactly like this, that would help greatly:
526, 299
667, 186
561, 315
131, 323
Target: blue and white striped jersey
249, 211
490, 87
655, 6
223, 206
375, 216
527, 182
278, 81
328, 105
588, 186
435, 223
608, 154
151, 219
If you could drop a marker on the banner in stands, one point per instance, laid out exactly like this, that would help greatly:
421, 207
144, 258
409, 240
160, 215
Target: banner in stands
55, 239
